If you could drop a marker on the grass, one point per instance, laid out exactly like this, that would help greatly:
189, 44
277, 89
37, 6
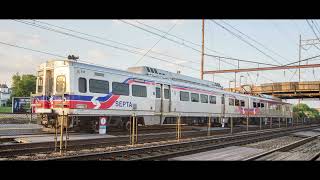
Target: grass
5, 109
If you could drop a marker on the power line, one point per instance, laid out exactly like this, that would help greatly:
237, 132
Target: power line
94, 36
314, 33
184, 40
183, 44
241, 60
160, 35
315, 25
155, 43
242, 39
38, 51
68, 34
307, 59
255, 41
101, 43
116, 42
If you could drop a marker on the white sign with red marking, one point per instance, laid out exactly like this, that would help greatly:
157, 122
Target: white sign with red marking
102, 126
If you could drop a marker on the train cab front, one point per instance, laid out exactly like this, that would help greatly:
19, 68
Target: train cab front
50, 99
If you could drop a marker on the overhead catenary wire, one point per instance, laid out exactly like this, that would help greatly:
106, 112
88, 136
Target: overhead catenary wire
228, 24
183, 40
116, 42
34, 50
102, 43
316, 25
242, 39
61, 56
136, 26
311, 27
177, 42
109, 40
156, 43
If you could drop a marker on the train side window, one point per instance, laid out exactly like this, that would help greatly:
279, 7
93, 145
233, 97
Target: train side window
120, 88
258, 104
194, 97
148, 69
213, 100
231, 102
166, 93
204, 98
237, 102
152, 70
61, 84
242, 103
139, 91
98, 86
184, 96
254, 104
262, 105
158, 95
82, 85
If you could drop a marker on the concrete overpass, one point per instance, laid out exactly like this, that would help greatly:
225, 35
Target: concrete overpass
283, 90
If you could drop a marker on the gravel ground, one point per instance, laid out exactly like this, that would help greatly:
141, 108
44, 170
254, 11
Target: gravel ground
310, 147
274, 143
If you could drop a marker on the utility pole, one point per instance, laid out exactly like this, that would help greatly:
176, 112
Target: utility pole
299, 63
202, 54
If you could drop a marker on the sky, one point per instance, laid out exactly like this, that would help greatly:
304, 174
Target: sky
280, 40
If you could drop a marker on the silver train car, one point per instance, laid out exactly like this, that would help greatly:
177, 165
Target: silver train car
86, 92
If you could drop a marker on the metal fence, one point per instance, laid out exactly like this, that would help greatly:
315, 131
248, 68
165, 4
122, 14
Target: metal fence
17, 118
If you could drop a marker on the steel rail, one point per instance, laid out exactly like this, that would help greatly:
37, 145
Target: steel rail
283, 148
222, 142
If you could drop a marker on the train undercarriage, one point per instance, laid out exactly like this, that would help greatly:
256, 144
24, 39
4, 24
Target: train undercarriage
91, 123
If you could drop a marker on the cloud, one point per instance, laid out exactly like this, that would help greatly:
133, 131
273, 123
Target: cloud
116, 21
33, 40
15, 61
178, 21
7, 36
96, 54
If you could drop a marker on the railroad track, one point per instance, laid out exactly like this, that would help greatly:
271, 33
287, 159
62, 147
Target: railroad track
276, 153
10, 150
174, 149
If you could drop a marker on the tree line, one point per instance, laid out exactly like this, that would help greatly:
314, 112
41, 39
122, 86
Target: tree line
22, 86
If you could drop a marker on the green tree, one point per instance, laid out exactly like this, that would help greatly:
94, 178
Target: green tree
23, 85
304, 111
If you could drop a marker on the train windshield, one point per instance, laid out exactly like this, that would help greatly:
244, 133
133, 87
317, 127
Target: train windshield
40, 82
61, 84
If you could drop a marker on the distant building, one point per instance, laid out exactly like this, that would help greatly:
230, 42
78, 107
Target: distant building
5, 93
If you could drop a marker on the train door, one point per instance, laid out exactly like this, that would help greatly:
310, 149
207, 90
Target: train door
158, 99
166, 98
223, 106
